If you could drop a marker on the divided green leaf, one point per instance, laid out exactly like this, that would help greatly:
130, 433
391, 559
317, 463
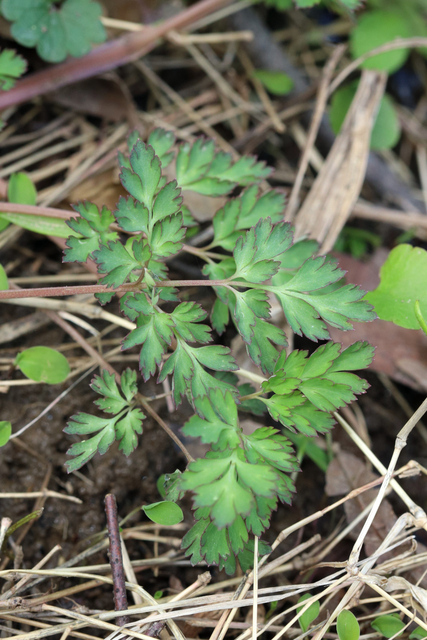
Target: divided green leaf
123, 426
93, 229
12, 66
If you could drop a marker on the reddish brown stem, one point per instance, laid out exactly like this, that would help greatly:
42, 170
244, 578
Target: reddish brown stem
116, 559
105, 57
51, 292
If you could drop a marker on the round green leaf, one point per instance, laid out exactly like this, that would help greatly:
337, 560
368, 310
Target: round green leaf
347, 626
43, 364
388, 625
5, 432
21, 190
403, 282
375, 28
275, 82
4, 284
311, 614
386, 130
166, 512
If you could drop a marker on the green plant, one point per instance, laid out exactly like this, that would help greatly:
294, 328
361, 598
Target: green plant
55, 31
242, 478
43, 364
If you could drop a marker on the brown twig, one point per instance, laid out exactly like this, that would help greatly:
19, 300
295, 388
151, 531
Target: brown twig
116, 559
105, 57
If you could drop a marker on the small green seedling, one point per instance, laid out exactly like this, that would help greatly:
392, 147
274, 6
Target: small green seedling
401, 296
418, 634
275, 82
43, 364
389, 625
347, 626
310, 614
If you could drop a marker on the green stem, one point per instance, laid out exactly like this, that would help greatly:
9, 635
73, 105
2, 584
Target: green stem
251, 396
420, 317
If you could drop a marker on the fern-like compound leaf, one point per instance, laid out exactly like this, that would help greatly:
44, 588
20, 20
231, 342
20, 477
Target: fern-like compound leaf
118, 261
162, 142
309, 301
93, 229
123, 426
245, 212
200, 168
12, 66
189, 377
256, 251
154, 333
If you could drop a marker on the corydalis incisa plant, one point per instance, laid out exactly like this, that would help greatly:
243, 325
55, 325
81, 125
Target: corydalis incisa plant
240, 481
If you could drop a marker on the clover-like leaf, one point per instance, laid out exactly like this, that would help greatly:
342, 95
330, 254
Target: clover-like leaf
55, 31
403, 282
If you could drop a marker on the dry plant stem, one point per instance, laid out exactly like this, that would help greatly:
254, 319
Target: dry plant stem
418, 513
4, 526
101, 288
107, 56
116, 559
413, 508
338, 184
39, 494
255, 591
322, 97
